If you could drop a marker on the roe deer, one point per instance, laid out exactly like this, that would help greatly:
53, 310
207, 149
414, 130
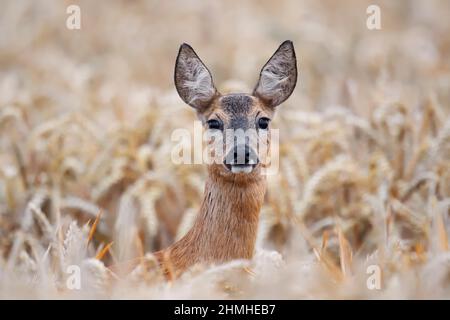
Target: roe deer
226, 226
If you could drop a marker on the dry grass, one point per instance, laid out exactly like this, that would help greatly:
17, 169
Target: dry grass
85, 124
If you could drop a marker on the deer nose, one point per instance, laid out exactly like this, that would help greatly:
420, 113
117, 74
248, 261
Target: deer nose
241, 155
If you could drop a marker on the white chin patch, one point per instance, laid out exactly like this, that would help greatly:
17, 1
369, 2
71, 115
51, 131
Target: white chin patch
241, 168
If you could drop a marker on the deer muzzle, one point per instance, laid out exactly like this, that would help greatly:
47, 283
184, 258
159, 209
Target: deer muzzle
241, 159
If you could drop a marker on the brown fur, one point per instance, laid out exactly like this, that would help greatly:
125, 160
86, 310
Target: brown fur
226, 226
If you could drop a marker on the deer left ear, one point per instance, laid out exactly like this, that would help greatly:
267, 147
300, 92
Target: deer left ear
193, 80
278, 77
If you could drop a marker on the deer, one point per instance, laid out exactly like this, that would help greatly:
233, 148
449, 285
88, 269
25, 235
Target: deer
226, 225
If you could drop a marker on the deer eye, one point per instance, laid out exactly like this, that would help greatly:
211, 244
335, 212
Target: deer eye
214, 124
263, 123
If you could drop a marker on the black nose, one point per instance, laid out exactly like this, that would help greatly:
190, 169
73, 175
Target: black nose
241, 155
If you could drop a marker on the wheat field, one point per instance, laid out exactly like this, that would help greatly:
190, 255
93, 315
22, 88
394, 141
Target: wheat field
86, 177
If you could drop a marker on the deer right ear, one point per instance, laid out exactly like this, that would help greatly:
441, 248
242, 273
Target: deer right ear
278, 77
193, 80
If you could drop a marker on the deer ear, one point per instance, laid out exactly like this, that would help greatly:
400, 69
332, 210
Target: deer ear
193, 80
278, 77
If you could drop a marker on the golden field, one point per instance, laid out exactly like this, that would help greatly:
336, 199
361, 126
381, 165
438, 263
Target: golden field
86, 176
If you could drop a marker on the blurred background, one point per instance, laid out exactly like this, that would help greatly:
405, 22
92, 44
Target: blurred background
86, 118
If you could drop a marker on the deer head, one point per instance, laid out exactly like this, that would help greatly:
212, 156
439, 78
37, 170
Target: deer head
241, 119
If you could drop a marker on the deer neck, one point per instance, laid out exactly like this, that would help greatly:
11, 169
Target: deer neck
229, 215
226, 225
